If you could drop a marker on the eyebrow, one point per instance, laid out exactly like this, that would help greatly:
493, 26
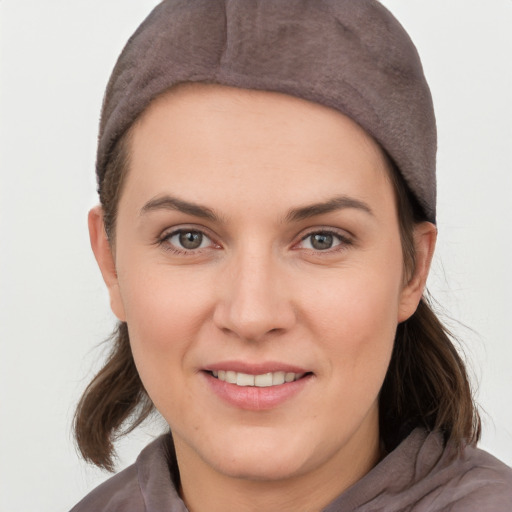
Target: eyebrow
173, 203
294, 215
336, 203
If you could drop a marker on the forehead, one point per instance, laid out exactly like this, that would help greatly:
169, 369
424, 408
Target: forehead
188, 105
233, 140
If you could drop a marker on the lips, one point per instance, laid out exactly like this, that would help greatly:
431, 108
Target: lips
262, 380
256, 387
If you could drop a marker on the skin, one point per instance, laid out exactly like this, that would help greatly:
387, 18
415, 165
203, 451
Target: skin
258, 290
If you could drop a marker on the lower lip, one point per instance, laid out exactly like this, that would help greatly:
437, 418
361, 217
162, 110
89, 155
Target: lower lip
253, 398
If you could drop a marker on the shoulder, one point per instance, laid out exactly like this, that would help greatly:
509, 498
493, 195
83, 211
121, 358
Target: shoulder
461, 479
425, 474
115, 494
480, 482
145, 486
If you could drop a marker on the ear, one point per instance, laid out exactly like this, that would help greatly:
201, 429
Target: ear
425, 235
103, 253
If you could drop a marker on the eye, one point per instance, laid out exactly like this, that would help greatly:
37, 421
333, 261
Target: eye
187, 240
323, 241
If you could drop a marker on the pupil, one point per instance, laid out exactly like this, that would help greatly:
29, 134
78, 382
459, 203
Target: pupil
322, 241
191, 239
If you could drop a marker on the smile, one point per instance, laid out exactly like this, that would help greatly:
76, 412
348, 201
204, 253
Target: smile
263, 380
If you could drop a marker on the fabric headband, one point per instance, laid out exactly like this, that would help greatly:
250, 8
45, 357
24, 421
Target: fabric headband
353, 56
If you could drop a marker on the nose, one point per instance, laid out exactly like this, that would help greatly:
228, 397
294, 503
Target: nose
253, 301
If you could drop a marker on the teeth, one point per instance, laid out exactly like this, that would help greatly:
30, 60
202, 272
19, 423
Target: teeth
264, 380
278, 378
244, 379
231, 377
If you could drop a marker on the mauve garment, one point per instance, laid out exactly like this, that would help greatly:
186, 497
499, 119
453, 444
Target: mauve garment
420, 475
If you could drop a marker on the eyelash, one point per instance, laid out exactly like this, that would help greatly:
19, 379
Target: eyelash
164, 241
343, 241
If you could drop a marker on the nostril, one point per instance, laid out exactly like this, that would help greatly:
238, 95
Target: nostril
252, 316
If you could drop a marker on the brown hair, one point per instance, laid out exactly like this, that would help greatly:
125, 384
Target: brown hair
426, 383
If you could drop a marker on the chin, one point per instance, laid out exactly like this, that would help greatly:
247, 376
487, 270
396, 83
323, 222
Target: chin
258, 466
262, 454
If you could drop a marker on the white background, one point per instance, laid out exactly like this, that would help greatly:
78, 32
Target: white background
55, 61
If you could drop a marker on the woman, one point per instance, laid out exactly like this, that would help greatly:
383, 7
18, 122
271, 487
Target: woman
266, 174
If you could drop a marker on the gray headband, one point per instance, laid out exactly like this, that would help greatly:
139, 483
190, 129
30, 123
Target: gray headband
351, 55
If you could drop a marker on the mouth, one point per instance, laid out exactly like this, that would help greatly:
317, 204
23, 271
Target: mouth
263, 380
256, 387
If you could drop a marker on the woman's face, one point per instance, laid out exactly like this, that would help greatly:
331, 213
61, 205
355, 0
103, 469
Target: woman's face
259, 268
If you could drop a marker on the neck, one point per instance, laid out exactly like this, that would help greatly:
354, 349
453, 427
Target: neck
205, 489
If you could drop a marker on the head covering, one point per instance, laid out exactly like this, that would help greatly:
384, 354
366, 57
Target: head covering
351, 55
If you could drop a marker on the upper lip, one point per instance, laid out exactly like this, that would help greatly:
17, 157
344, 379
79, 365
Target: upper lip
255, 368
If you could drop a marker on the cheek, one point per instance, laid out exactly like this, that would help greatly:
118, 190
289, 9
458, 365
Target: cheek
364, 332
165, 312
356, 319
158, 297
164, 322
